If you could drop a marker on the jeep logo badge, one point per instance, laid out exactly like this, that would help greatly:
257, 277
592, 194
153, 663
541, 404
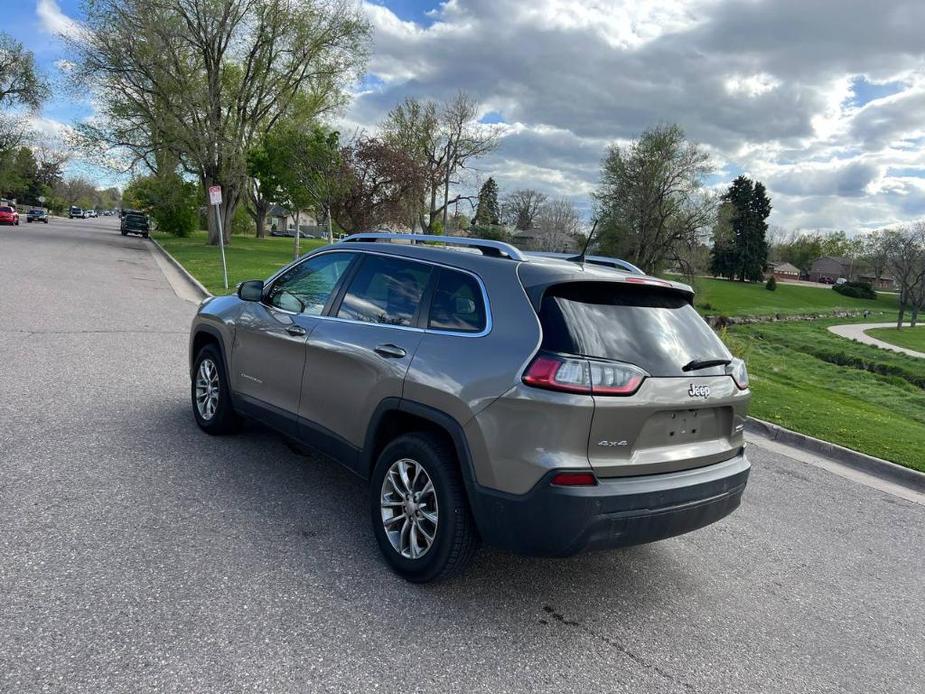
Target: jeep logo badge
699, 391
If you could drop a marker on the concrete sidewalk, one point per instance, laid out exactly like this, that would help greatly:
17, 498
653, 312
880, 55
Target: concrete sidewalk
858, 331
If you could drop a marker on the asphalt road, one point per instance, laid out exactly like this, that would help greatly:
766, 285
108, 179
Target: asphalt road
138, 554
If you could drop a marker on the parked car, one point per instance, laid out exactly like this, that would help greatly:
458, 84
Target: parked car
75, 213
134, 222
8, 215
90, 214
532, 403
107, 213
37, 214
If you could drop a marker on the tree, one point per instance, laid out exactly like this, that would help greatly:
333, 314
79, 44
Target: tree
558, 225
171, 201
521, 207
20, 85
488, 212
651, 204
742, 252
204, 80
300, 167
905, 249
76, 191
373, 182
441, 139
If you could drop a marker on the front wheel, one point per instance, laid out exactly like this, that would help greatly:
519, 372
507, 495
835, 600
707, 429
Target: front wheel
419, 511
210, 395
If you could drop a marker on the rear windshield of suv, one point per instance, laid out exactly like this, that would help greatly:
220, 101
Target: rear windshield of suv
654, 328
6, 209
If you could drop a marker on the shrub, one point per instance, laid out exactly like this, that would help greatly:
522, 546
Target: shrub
771, 284
856, 290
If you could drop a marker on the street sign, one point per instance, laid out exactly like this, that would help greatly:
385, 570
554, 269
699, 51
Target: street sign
41, 199
215, 199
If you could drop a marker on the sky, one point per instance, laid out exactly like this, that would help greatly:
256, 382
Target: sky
822, 100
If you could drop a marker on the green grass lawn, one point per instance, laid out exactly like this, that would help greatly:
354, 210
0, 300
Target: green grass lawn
910, 338
812, 381
725, 298
248, 258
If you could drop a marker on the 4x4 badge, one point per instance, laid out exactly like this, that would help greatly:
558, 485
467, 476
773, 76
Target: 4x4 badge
699, 391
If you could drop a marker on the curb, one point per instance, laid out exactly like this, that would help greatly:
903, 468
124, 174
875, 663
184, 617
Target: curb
884, 469
197, 285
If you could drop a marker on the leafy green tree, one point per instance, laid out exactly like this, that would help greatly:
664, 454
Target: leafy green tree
651, 203
488, 211
21, 84
300, 166
743, 253
171, 201
206, 79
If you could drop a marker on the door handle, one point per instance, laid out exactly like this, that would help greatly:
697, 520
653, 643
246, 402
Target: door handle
296, 330
388, 350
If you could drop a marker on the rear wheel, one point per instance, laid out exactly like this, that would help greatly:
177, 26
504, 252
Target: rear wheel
210, 395
419, 511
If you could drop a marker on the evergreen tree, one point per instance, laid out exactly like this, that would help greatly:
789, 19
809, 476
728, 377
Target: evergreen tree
488, 211
740, 249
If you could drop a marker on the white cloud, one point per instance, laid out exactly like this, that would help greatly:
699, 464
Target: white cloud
766, 86
54, 21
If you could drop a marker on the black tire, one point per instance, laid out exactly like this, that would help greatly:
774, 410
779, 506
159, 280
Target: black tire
224, 420
124, 233
145, 235
456, 538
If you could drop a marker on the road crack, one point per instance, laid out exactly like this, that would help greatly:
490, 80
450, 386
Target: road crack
638, 659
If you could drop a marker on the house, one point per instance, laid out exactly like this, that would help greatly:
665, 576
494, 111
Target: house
885, 282
783, 271
831, 268
280, 219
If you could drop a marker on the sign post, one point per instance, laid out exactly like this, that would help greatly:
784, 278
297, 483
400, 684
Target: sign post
215, 199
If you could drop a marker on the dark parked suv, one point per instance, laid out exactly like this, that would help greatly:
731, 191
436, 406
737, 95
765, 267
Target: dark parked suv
134, 222
542, 405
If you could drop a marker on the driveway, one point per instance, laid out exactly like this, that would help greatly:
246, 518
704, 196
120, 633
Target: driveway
858, 331
139, 555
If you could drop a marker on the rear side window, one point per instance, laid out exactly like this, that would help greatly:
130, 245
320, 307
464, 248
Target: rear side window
654, 328
385, 290
457, 304
6, 209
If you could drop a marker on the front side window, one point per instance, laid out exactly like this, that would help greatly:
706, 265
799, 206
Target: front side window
307, 287
457, 304
386, 291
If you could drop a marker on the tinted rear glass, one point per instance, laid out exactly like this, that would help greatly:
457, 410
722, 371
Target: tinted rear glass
6, 209
651, 327
457, 304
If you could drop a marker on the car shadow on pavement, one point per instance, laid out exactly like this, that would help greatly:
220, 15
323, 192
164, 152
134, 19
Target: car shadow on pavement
311, 508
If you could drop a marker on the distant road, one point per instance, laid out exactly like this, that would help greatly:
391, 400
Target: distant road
138, 554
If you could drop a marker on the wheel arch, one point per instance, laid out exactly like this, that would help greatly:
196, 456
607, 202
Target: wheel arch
396, 416
205, 335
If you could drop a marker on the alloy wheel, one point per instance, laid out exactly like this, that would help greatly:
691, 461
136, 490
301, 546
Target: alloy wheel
207, 389
409, 508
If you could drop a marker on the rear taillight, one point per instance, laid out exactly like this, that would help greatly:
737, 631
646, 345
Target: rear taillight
577, 375
574, 479
739, 373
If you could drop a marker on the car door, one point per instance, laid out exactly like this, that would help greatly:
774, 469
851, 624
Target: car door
268, 354
360, 354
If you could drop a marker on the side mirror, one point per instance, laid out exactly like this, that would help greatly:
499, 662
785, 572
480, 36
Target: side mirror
251, 290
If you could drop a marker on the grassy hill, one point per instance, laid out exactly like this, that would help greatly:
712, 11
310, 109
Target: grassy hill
910, 338
726, 298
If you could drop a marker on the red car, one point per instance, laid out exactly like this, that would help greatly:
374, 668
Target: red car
8, 215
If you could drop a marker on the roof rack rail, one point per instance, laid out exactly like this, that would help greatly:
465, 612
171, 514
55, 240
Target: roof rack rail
488, 247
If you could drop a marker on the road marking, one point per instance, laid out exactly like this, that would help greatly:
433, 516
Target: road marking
837, 468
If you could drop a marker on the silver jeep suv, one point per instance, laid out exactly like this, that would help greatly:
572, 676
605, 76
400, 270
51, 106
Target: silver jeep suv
545, 405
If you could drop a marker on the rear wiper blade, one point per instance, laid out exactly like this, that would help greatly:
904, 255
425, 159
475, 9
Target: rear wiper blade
698, 364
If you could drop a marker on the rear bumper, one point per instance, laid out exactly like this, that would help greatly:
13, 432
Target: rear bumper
560, 521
